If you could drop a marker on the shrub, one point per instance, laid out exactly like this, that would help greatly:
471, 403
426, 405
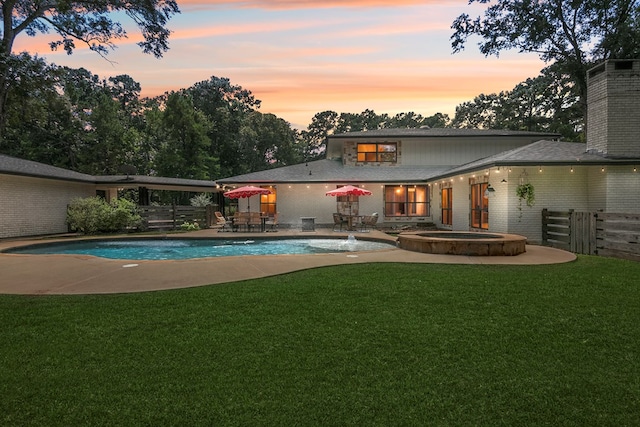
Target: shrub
200, 200
93, 214
187, 226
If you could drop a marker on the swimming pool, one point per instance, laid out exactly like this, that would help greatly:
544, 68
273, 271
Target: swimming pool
174, 249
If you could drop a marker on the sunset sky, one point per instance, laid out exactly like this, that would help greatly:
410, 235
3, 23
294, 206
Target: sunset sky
301, 57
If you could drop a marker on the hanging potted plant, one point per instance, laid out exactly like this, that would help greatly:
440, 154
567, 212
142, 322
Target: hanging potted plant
526, 193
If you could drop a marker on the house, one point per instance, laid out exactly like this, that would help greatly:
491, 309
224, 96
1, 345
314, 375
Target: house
34, 196
466, 179
457, 179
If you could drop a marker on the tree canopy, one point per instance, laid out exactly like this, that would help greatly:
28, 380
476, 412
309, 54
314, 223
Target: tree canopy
573, 34
90, 23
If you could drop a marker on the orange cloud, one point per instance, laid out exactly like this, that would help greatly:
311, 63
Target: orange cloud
306, 4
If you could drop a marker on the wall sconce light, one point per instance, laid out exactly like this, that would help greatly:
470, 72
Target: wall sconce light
571, 170
489, 190
540, 169
602, 169
635, 169
504, 181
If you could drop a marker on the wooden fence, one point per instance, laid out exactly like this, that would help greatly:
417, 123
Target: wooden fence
593, 233
172, 217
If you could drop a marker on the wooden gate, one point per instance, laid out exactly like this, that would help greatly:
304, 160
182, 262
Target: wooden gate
593, 233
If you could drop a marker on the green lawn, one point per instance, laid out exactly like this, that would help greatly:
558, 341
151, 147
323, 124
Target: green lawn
365, 345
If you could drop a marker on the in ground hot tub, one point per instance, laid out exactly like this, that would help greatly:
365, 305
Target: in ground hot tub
463, 243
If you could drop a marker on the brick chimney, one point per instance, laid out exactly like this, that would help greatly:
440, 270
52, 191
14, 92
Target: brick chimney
613, 108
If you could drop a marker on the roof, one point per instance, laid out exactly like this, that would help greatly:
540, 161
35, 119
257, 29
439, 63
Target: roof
330, 170
439, 132
541, 153
15, 166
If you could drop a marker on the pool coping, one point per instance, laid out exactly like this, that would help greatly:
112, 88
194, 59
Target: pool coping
83, 274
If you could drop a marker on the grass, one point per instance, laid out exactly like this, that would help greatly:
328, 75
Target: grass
379, 344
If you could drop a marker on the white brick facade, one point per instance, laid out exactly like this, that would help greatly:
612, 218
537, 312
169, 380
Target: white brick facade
35, 206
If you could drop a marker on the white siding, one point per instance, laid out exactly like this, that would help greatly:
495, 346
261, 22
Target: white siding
455, 151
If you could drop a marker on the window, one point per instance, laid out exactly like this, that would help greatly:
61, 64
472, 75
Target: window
268, 202
406, 200
447, 206
378, 152
479, 206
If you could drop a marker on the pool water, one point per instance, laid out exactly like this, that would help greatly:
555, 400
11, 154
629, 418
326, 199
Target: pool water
172, 249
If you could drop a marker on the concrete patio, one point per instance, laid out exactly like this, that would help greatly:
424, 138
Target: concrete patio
81, 274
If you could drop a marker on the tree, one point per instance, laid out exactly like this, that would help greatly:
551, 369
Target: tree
110, 142
266, 142
40, 124
573, 34
547, 103
87, 22
315, 137
412, 120
225, 105
184, 152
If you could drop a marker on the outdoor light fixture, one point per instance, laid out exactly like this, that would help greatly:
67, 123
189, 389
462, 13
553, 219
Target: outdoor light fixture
489, 190
540, 169
571, 170
504, 181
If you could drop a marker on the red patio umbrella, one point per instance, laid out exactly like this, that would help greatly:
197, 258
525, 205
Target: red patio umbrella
348, 190
246, 192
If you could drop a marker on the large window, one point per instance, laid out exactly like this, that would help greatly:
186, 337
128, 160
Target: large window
268, 202
447, 206
378, 152
479, 206
406, 200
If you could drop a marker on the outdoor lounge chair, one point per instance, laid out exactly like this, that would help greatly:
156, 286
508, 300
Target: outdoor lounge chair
221, 223
339, 220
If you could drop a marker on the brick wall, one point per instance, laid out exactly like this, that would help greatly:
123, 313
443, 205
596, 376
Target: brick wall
34, 206
613, 110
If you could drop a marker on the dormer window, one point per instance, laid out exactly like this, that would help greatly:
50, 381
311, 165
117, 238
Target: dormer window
378, 152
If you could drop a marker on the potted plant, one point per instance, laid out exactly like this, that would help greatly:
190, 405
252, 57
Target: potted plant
526, 193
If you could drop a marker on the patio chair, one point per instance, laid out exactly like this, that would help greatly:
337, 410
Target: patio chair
368, 221
254, 220
272, 222
339, 220
240, 219
221, 223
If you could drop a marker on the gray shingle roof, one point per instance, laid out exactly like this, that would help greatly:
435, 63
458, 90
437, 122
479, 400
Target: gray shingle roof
540, 153
439, 132
333, 171
14, 166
